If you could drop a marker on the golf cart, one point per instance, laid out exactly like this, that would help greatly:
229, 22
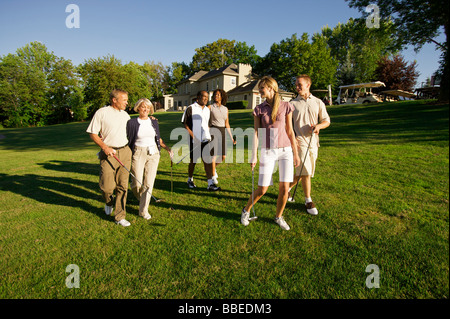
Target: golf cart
359, 93
397, 95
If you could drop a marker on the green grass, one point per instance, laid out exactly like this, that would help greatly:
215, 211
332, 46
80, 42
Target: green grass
381, 187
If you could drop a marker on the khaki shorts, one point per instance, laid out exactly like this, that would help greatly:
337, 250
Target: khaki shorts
309, 167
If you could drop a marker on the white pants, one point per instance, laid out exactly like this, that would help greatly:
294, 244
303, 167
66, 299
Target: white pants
269, 157
144, 166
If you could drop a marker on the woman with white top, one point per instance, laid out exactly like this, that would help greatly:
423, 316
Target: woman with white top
145, 142
278, 145
219, 123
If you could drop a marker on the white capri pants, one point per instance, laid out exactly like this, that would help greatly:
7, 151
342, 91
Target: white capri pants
269, 157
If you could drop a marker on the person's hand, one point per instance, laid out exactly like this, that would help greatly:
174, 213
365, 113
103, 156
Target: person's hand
253, 162
296, 160
109, 151
234, 142
315, 129
170, 154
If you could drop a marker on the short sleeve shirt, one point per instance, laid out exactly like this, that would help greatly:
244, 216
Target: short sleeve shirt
111, 124
307, 113
219, 115
197, 119
274, 132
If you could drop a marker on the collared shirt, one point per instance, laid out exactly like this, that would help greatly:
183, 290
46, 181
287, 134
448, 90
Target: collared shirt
197, 119
219, 115
308, 112
111, 123
275, 132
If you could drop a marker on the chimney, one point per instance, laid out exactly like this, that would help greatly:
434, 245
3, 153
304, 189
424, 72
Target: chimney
245, 73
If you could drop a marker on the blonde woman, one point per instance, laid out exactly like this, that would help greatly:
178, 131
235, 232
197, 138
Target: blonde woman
145, 143
275, 118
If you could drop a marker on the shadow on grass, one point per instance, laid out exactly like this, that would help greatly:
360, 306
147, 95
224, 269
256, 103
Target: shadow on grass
60, 191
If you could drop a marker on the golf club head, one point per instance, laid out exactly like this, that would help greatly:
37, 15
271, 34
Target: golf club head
253, 218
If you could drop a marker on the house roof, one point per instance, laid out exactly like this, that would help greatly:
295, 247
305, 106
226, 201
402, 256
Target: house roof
252, 86
231, 69
197, 75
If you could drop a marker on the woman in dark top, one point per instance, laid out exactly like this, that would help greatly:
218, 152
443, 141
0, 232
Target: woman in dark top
145, 142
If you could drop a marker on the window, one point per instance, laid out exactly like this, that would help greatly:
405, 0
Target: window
233, 81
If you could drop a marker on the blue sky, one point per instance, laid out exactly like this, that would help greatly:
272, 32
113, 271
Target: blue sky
170, 30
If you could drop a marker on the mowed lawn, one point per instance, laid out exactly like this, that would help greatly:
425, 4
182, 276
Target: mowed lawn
381, 188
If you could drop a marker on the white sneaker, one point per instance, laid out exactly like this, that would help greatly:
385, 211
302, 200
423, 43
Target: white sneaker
280, 221
311, 208
147, 216
244, 217
123, 222
108, 210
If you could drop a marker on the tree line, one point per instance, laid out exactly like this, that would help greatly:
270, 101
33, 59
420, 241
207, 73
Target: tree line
38, 88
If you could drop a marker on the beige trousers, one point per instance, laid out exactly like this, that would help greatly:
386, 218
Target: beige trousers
144, 166
114, 178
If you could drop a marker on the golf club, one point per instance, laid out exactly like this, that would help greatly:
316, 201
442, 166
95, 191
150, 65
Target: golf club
253, 187
154, 198
303, 164
171, 185
188, 154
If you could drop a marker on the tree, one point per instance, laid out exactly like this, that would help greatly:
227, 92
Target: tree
417, 22
102, 75
358, 48
294, 56
245, 54
34, 85
397, 74
213, 55
174, 74
156, 77
223, 52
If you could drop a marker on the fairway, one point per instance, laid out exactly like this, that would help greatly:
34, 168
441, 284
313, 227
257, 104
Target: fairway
381, 188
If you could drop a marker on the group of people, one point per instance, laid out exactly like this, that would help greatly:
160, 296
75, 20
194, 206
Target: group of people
290, 138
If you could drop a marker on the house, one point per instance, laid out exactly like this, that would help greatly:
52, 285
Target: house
235, 79
248, 91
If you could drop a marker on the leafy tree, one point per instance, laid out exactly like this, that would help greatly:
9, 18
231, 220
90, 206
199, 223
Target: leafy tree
245, 54
155, 74
174, 74
358, 48
213, 55
223, 52
417, 22
34, 85
294, 56
102, 75
396, 73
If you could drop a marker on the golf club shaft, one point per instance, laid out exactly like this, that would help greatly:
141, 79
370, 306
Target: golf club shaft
188, 153
303, 164
253, 189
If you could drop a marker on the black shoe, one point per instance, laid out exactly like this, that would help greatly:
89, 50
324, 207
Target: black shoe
191, 184
213, 188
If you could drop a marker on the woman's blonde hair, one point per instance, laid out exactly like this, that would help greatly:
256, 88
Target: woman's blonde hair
146, 102
271, 83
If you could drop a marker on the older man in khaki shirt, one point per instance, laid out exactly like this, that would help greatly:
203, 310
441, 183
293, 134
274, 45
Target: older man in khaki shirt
309, 117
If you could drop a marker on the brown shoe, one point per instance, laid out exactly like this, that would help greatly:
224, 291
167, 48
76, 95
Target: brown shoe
311, 208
